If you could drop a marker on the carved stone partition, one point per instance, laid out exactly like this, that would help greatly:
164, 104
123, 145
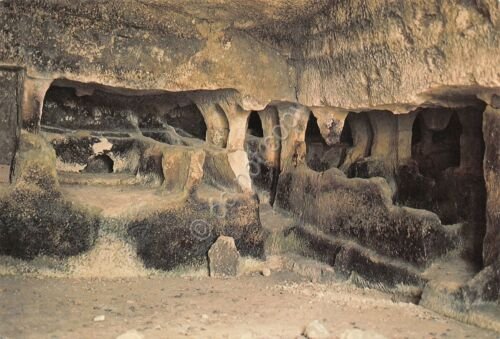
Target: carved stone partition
392, 135
10, 94
491, 130
216, 121
330, 122
362, 135
32, 104
485, 286
384, 145
238, 123
271, 129
404, 137
293, 121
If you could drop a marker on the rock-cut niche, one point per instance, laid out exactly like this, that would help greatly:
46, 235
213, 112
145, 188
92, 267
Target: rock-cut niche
102, 130
321, 156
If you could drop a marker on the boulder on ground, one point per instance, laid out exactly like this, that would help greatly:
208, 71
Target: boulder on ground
316, 330
223, 258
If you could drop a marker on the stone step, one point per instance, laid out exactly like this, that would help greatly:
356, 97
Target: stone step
346, 256
111, 179
446, 292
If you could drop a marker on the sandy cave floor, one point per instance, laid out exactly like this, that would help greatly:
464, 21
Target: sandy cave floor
176, 307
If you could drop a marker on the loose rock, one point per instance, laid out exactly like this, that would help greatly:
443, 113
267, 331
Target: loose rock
360, 334
132, 334
316, 330
223, 258
100, 318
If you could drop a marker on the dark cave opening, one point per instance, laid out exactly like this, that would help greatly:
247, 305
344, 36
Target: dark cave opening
436, 150
320, 156
114, 112
255, 125
263, 147
315, 145
346, 137
256, 151
187, 121
445, 173
441, 170
101, 163
103, 130
313, 133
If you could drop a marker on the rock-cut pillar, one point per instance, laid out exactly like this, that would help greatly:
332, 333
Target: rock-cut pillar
34, 91
216, 121
293, 122
491, 134
238, 159
362, 139
271, 128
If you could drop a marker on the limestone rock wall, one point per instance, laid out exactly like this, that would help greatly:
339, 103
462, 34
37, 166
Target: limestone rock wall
371, 53
135, 46
347, 54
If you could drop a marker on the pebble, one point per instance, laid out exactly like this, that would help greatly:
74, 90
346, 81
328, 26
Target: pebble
132, 334
266, 272
100, 318
360, 334
316, 330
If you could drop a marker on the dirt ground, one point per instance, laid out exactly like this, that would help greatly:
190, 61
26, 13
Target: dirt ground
279, 306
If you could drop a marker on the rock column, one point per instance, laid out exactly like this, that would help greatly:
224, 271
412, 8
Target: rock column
32, 103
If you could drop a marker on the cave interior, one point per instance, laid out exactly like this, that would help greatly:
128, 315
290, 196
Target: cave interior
346, 146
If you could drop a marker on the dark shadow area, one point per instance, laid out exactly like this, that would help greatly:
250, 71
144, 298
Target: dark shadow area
445, 174
320, 156
99, 164
255, 125
435, 151
114, 114
346, 137
256, 151
187, 121
315, 144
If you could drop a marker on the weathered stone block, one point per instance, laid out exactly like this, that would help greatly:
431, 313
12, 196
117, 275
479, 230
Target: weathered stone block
223, 258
